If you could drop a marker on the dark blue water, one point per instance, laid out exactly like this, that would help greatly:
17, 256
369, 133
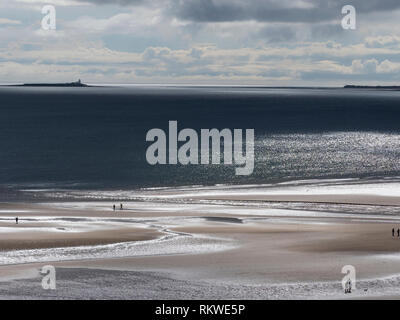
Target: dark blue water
94, 138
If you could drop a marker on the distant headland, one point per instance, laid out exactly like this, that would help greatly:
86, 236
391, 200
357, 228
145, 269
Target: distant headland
372, 87
78, 83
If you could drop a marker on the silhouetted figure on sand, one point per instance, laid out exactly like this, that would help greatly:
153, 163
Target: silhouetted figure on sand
347, 288
398, 232
121, 207
114, 207
16, 220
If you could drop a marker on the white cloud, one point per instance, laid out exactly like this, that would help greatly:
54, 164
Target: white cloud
5, 21
367, 66
148, 43
387, 66
373, 66
383, 41
121, 23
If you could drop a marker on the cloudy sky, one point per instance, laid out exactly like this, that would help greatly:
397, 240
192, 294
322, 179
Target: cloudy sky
249, 42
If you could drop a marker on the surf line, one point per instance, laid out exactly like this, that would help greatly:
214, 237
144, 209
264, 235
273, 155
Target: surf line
188, 152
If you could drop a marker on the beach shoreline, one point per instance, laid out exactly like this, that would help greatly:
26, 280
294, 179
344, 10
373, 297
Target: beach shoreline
208, 246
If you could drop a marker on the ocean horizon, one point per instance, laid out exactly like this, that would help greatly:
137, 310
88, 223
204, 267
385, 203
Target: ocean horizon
94, 137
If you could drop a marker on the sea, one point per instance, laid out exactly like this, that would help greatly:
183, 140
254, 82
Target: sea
94, 138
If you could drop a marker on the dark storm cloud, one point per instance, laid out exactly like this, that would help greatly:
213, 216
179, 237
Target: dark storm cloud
218, 11
273, 11
115, 2
259, 10
274, 34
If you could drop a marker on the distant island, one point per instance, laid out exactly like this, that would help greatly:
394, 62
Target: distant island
79, 83
372, 87
67, 84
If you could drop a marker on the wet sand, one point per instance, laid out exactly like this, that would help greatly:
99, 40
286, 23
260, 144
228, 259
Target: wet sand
296, 255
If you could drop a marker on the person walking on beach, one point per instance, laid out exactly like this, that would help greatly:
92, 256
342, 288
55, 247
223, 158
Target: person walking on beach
114, 207
121, 207
16, 220
349, 286
398, 232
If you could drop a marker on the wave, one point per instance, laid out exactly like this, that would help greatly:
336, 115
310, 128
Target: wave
374, 186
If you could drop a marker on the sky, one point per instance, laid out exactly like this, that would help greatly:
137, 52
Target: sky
205, 42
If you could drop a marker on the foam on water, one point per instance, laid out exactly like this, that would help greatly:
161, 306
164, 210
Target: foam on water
170, 244
380, 187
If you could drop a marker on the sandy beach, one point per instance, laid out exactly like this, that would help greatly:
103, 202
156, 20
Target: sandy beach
248, 248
